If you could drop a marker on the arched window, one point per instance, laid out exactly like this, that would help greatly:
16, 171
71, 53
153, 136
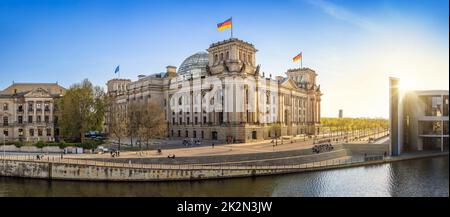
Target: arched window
221, 56
228, 56
215, 58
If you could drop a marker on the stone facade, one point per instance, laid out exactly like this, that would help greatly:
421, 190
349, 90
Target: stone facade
28, 111
222, 95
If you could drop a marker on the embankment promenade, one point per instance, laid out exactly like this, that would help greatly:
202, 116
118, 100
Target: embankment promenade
56, 168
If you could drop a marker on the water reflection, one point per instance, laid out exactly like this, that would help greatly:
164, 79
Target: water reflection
422, 177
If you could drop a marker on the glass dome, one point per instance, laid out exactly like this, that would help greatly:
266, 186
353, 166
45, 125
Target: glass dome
194, 65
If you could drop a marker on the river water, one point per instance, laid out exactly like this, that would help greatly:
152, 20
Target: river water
420, 177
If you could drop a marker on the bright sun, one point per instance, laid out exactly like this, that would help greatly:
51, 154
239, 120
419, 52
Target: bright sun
407, 84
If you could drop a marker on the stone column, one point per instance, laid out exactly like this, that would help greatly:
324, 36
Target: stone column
52, 126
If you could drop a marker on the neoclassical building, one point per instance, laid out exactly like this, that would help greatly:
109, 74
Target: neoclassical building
222, 95
28, 111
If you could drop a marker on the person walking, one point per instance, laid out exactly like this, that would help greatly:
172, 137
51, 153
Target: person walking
212, 145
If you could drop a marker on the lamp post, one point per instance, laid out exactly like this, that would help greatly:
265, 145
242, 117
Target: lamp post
4, 137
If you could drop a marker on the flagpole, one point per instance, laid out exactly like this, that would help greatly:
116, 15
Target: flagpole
301, 60
231, 27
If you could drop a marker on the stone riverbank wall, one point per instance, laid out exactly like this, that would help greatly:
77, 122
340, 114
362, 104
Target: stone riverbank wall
113, 171
64, 171
68, 171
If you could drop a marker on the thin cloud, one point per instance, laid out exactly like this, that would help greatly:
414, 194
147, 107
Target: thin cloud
343, 14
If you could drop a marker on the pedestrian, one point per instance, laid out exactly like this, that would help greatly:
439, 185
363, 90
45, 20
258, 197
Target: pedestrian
61, 156
213, 145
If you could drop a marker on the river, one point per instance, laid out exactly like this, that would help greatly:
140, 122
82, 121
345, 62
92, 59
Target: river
411, 178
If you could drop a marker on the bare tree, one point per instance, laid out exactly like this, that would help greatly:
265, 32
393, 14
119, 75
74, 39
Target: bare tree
133, 118
152, 123
117, 123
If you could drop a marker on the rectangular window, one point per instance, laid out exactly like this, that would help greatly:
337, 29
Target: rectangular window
30, 107
46, 107
19, 119
5, 132
433, 105
31, 132
446, 106
38, 107
5, 121
20, 108
5, 107
30, 119
445, 128
430, 127
47, 119
39, 132
49, 132
38, 119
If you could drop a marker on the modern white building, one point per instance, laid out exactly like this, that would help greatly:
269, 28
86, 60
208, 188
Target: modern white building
419, 120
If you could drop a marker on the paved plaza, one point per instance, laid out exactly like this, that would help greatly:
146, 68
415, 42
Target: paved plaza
266, 146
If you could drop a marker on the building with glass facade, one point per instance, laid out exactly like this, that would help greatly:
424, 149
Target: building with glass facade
419, 121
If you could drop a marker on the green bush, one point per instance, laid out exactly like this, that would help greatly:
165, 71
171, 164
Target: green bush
16, 143
88, 144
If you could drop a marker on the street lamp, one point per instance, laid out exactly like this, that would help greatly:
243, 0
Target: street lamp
4, 137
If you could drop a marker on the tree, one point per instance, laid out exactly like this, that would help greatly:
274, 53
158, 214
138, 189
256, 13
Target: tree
133, 118
362, 126
117, 122
82, 109
276, 128
152, 123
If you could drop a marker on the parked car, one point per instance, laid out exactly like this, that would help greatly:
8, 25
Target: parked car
101, 149
99, 138
94, 135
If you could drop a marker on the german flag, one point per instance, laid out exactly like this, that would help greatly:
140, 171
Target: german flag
225, 25
298, 57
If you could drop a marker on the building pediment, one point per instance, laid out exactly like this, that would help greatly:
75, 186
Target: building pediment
38, 93
288, 84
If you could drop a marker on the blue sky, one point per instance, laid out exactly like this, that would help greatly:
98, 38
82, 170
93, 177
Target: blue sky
354, 46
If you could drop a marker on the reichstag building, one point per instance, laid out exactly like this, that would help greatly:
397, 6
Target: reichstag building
222, 95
